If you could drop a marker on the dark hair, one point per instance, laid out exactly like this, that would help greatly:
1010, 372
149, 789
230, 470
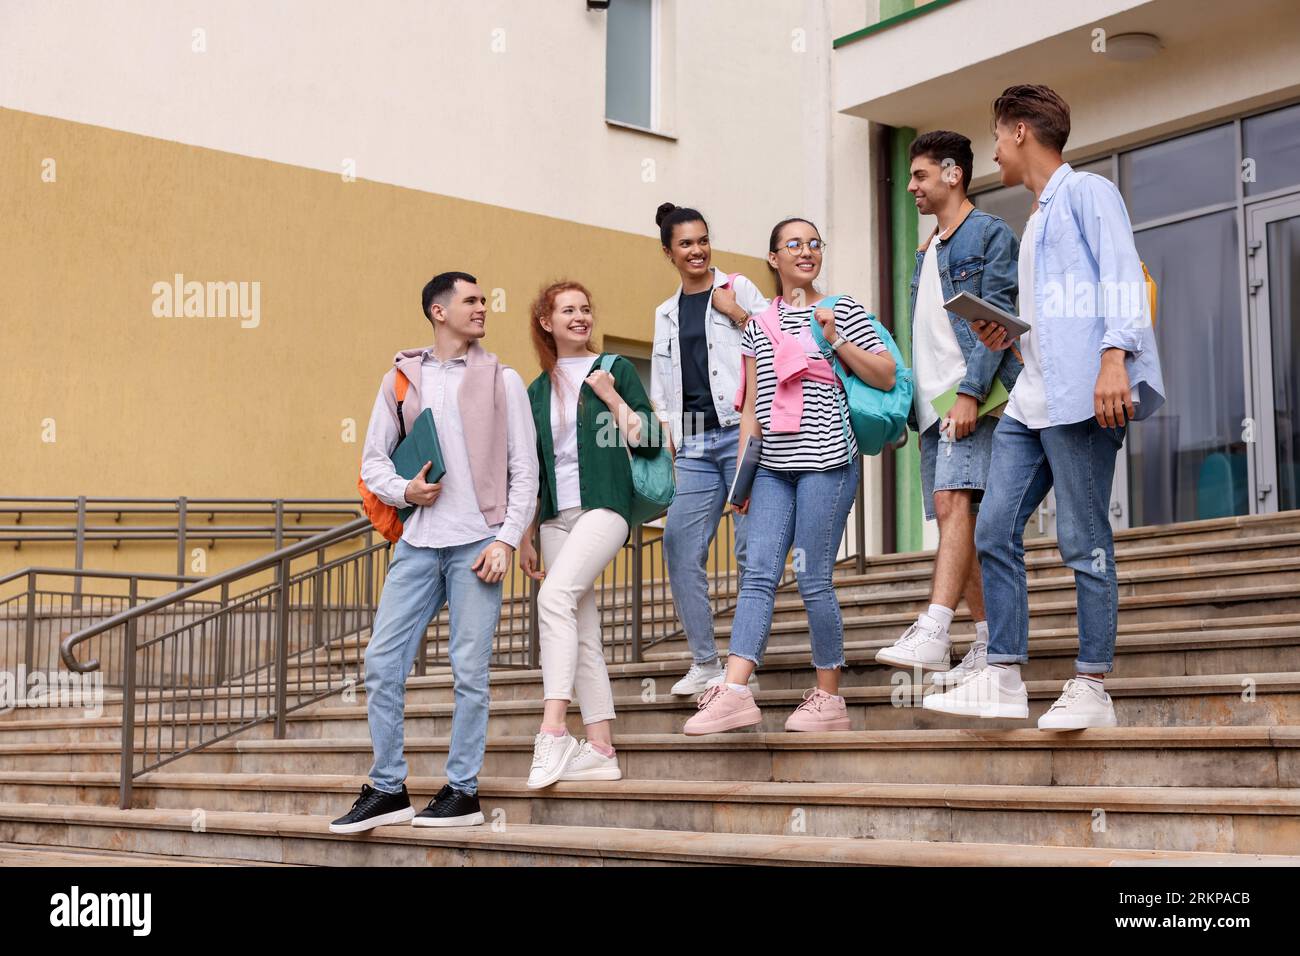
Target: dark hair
668, 217
771, 244
439, 289
1038, 107
941, 145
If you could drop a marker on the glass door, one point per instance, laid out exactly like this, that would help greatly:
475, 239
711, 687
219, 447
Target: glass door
1273, 282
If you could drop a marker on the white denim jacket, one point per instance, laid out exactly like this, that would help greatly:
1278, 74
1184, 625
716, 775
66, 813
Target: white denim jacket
723, 337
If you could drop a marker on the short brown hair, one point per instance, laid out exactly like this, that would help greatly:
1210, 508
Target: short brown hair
1038, 107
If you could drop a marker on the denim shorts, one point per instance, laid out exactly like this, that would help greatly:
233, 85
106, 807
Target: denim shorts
953, 466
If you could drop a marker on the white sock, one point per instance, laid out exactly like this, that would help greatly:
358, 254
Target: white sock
981, 632
1096, 680
739, 688
940, 615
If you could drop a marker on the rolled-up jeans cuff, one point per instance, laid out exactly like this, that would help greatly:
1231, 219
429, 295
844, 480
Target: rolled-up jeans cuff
1083, 667
1008, 658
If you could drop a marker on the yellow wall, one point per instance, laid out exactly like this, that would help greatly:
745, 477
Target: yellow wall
147, 406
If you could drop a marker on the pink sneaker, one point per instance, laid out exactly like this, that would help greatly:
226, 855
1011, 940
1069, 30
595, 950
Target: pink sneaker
722, 708
819, 711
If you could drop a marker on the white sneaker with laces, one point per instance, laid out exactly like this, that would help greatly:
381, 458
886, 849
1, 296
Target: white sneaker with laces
925, 644
588, 763
752, 683
698, 679
551, 755
1083, 704
975, 660
991, 692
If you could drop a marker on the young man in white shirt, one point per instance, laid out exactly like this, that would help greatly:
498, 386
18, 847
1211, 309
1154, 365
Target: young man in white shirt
969, 251
455, 547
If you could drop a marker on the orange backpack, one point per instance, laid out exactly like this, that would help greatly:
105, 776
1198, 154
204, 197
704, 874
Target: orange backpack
381, 514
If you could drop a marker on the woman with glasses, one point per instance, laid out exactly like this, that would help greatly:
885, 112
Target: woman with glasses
694, 371
806, 480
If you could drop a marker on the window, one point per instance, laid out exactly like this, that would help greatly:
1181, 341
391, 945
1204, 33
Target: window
1272, 141
1180, 175
630, 52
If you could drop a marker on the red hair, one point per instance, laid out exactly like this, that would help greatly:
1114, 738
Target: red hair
542, 308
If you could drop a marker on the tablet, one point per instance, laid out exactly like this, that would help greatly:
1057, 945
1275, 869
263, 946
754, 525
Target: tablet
972, 308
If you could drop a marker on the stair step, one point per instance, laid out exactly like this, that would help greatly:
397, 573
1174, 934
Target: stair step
305, 839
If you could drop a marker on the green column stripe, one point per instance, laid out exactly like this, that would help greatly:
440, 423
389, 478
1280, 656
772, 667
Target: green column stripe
907, 462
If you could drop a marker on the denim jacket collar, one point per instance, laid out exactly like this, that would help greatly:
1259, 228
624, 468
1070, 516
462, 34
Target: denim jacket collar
967, 208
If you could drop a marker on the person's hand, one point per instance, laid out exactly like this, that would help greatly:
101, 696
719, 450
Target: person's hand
993, 336
529, 561
602, 383
492, 562
963, 417
743, 507
724, 300
826, 319
1112, 398
419, 491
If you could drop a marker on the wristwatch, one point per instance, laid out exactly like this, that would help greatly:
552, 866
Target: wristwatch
839, 340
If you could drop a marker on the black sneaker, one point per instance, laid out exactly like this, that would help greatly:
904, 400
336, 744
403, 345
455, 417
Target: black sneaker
450, 808
374, 808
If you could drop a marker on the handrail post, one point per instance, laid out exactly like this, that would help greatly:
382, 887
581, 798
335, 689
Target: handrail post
279, 523
534, 631
182, 523
30, 635
317, 635
128, 710
636, 594
223, 634
80, 561
860, 526
282, 646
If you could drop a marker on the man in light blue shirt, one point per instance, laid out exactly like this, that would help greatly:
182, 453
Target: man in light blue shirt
1091, 367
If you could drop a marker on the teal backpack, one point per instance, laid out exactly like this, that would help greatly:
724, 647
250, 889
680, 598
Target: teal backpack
877, 418
653, 481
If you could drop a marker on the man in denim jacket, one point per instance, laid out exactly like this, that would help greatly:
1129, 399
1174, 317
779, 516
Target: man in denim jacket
1091, 367
969, 251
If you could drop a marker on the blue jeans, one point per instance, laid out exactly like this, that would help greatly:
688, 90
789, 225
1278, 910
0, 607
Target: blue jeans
1078, 460
807, 509
419, 582
706, 466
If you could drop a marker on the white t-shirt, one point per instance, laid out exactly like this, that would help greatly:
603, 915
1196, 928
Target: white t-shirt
1028, 403
937, 361
566, 380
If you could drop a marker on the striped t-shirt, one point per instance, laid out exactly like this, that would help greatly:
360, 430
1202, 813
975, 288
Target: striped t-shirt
820, 443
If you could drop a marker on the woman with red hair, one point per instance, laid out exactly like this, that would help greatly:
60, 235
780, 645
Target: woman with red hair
588, 421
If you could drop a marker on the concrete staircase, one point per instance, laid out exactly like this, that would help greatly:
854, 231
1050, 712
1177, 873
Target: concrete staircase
1205, 767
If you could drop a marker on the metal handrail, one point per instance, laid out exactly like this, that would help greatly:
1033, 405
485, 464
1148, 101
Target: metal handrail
264, 563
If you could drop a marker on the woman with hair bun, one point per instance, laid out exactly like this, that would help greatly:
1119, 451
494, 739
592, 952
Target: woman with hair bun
694, 373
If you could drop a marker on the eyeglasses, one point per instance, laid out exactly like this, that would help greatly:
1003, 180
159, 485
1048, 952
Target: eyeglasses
795, 246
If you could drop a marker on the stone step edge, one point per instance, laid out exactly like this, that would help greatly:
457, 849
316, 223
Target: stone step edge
623, 843
31, 854
1118, 738
1200, 800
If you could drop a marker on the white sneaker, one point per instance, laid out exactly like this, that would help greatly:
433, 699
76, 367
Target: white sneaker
752, 683
991, 692
551, 755
1083, 704
925, 644
975, 660
698, 679
588, 763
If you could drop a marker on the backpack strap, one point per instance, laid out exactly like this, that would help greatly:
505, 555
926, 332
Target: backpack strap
400, 384
827, 303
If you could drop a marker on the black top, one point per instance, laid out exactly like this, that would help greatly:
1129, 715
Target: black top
698, 410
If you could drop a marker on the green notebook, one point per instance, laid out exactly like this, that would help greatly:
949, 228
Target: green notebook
420, 445
998, 395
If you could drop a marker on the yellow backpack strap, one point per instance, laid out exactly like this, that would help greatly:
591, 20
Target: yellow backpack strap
1151, 293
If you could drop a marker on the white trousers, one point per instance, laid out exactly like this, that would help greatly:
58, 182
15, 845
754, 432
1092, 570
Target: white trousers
577, 546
